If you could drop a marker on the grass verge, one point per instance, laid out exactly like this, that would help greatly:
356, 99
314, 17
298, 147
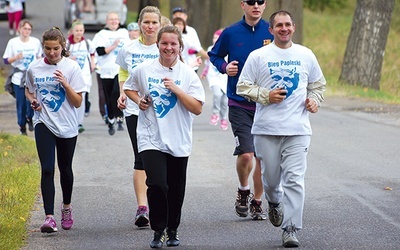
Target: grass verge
19, 182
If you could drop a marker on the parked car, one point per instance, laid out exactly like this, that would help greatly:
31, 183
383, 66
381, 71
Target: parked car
93, 13
3, 13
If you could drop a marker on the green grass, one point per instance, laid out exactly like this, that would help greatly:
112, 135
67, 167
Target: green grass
19, 182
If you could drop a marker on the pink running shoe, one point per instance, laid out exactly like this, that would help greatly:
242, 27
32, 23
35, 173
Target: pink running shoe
224, 124
66, 218
49, 225
214, 119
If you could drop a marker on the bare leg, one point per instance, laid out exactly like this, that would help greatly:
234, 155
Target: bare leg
139, 183
244, 165
258, 187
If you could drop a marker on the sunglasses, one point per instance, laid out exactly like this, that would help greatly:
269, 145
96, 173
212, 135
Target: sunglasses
252, 2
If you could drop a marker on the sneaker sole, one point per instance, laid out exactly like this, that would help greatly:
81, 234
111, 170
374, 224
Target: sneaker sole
242, 213
291, 244
142, 222
259, 217
48, 230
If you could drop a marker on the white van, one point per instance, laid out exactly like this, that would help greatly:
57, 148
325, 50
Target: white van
93, 12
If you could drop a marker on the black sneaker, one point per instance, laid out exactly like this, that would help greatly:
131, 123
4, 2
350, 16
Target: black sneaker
256, 211
119, 124
111, 130
158, 240
87, 109
289, 238
173, 238
242, 203
30, 124
22, 130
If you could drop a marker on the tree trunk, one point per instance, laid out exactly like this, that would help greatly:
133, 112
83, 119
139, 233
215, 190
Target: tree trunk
366, 43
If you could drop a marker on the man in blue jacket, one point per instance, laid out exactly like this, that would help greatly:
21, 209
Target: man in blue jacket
236, 42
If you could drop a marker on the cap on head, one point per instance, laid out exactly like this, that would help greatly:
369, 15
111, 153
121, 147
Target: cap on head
133, 26
218, 32
178, 9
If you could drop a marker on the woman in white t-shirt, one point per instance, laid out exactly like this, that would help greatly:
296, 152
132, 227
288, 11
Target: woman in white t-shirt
82, 51
108, 42
20, 52
169, 94
130, 56
54, 87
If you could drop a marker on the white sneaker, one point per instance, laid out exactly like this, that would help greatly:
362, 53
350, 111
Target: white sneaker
289, 237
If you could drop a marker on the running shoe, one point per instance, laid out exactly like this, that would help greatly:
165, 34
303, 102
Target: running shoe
256, 211
224, 124
275, 214
49, 225
214, 119
289, 238
142, 217
159, 237
242, 203
66, 218
173, 238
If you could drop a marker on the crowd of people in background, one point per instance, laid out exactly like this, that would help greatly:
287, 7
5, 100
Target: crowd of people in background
147, 76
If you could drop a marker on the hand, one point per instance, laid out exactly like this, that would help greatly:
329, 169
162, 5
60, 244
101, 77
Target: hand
277, 95
144, 102
121, 102
35, 105
311, 105
60, 77
232, 68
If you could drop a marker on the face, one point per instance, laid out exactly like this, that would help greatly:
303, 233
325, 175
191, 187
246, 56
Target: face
52, 50
180, 26
215, 38
282, 30
150, 25
253, 12
112, 21
169, 46
134, 34
180, 14
25, 30
78, 31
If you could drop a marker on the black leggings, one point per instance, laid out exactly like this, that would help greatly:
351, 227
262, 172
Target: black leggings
166, 182
111, 94
46, 144
131, 124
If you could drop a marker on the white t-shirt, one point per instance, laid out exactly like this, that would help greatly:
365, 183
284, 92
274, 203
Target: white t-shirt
130, 56
292, 69
214, 77
191, 41
108, 69
167, 126
82, 54
14, 6
59, 116
31, 50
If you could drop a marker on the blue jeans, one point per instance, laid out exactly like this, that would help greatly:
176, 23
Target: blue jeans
24, 109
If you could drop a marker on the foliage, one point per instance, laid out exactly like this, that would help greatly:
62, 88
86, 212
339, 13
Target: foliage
325, 4
19, 182
327, 36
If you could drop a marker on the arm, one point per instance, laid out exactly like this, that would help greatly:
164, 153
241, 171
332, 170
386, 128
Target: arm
122, 76
74, 98
191, 104
315, 95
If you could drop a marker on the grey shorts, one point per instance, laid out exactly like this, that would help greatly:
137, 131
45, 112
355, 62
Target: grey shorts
241, 122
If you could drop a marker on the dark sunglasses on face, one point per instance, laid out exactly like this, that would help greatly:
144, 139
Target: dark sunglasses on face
252, 2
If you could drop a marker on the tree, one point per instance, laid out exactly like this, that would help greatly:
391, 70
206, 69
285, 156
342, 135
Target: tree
366, 43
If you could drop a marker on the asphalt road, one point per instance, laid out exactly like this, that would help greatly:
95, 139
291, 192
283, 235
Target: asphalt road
352, 158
